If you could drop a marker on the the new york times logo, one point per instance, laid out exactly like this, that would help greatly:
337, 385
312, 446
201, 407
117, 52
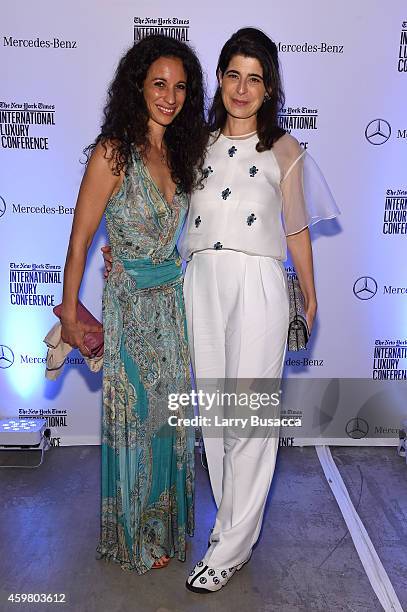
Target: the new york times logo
55, 417
18, 120
390, 360
168, 26
299, 118
395, 212
26, 283
402, 58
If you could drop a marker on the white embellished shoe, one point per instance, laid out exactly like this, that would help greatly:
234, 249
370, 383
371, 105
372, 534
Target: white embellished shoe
205, 579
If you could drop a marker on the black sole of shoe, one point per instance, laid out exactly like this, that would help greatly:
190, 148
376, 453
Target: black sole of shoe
199, 590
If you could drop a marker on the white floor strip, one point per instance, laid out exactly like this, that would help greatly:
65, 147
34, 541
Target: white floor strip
372, 565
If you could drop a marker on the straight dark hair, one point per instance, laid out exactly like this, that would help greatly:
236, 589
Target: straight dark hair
251, 42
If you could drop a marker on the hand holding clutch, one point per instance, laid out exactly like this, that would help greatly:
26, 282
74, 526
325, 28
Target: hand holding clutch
298, 332
92, 339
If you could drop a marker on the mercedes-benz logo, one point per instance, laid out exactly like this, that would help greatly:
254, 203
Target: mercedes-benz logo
6, 357
378, 131
357, 428
2, 206
365, 288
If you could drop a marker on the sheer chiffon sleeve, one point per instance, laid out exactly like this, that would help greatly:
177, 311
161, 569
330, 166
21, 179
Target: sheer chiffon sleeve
307, 198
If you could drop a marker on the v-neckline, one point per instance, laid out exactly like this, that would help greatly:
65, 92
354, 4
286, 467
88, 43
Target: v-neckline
158, 190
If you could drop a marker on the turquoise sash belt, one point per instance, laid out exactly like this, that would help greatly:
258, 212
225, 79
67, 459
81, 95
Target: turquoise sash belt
147, 274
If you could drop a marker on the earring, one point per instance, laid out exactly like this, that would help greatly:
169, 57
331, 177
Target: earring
266, 97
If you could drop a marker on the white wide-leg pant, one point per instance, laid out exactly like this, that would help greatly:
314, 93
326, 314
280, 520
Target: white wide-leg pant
237, 315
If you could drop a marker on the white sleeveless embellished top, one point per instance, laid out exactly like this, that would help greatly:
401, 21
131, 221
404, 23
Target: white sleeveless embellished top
251, 201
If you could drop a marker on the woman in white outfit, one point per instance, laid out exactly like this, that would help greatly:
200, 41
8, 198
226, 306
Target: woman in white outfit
235, 238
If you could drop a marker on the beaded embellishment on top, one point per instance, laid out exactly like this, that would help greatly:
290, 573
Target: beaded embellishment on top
207, 171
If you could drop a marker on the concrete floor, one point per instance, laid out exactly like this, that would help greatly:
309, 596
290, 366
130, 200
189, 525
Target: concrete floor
304, 560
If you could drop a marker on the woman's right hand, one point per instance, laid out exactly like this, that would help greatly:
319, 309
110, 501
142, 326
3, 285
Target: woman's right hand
108, 259
73, 333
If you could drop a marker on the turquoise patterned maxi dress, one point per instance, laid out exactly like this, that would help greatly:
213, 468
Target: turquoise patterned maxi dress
147, 464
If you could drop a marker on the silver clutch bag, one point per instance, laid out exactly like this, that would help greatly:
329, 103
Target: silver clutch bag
298, 332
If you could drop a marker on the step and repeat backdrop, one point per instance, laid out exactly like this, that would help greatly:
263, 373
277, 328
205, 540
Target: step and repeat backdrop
345, 76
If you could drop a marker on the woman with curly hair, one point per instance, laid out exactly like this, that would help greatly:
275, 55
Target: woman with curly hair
141, 169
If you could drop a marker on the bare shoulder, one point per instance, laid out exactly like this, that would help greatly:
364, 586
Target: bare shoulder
101, 165
104, 154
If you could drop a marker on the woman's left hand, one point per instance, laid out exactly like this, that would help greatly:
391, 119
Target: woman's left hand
310, 312
301, 254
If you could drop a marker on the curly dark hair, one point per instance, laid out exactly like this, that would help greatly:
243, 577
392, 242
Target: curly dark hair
251, 42
126, 116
